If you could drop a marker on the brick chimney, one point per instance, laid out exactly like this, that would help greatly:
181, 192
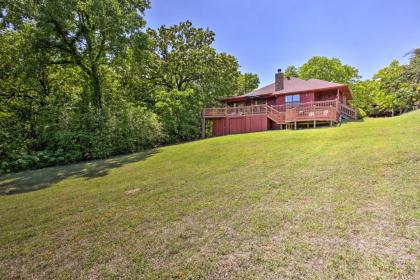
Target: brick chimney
279, 82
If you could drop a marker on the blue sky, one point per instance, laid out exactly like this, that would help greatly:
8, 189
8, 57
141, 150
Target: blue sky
268, 34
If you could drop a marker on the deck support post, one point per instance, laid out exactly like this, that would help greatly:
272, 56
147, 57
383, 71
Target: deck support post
295, 125
330, 123
314, 123
203, 127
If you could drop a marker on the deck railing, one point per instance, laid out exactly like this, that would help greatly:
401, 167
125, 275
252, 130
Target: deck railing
329, 110
321, 110
276, 113
247, 110
348, 111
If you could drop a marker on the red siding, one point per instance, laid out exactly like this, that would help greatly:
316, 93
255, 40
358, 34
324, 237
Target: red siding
325, 95
219, 127
271, 101
236, 125
304, 97
307, 97
280, 100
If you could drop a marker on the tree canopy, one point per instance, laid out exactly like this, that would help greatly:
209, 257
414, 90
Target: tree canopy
247, 82
328, 69
292, 71
392, 88
89, 34
324, 68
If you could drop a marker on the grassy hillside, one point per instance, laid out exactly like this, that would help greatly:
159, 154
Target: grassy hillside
321, 203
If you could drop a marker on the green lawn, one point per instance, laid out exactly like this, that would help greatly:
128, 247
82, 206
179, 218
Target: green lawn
322, 203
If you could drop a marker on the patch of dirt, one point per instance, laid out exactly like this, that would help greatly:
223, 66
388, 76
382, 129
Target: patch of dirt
133, 191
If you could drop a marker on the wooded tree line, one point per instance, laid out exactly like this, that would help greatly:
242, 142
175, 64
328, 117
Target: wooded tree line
393, 89
86, 79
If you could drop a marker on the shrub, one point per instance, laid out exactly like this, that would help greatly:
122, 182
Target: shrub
361, 114
87, 134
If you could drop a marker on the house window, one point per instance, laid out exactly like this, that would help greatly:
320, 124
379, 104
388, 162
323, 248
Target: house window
293, 99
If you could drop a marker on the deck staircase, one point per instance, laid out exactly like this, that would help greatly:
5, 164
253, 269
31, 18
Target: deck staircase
347, 112
275, 115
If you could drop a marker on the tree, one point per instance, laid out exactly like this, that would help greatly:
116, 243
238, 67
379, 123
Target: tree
328, 69
395, 88
182, 55
24, 90
291, 71
391, 88
186, 74
412, 75
63, 96
89, 34
247, 82
368, 97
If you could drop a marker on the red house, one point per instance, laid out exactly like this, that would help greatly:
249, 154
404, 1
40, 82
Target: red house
287, 103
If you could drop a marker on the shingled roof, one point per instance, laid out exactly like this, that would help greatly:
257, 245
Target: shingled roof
291, 85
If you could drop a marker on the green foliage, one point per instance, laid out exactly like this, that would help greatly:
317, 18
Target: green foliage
412, 77
247, 82
180, 116
292, 71
182, 55
185, 74
412, 73
183, 58
81, 135
88, 34
328, 69
393, 86
389, 90
364, 93
48, 104
12, 140
39, 160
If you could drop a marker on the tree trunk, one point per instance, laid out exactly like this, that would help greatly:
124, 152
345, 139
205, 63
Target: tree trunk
96, 87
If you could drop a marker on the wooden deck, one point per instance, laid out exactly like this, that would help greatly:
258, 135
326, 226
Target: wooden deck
328, 111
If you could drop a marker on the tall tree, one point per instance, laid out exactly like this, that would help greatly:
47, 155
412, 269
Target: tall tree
183, 58
291, 71
182, 53
187, 74
89, 34
395, 87
368, 97
247, 82
412, 75
328, 69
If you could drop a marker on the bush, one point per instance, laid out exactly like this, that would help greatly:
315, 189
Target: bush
87, 134
361, 114
37, 160
179, 114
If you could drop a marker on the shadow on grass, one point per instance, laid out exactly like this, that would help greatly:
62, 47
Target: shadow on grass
350, 121
357, 121
33, 180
